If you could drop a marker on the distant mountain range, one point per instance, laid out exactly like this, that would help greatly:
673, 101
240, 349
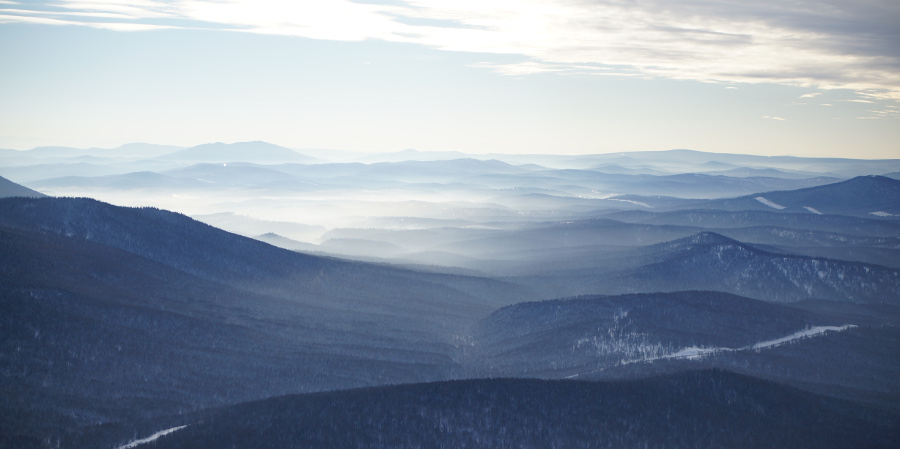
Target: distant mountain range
647, 162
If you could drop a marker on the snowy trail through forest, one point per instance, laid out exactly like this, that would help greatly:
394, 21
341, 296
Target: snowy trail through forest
696, 353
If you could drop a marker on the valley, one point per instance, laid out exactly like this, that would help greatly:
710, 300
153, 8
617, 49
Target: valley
252, 295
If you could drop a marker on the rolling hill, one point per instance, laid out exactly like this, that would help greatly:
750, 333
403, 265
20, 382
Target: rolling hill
702, 409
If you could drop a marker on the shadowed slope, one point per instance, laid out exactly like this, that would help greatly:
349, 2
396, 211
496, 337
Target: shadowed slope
704, 409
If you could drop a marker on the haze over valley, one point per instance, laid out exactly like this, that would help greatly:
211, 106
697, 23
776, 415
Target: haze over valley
146, 287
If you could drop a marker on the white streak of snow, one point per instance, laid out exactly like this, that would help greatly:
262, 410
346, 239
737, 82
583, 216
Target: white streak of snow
771, 204
811, 332
881, 214
812, 209
153, 437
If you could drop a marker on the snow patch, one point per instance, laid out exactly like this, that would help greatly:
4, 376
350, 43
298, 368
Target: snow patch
881, 213
771, 204
153, 437
812, 209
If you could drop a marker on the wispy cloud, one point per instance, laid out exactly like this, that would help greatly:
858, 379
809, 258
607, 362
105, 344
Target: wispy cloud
825, 44
887, 112
773, 118
812, 95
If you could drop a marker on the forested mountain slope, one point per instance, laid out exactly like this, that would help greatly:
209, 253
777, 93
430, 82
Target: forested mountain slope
703, 409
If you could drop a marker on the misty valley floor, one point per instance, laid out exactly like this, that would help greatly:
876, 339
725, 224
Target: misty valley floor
270, 299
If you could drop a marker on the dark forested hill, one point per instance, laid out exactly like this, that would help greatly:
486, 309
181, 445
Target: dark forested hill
703, 409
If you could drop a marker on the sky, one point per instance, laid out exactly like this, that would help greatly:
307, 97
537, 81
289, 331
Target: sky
804, 78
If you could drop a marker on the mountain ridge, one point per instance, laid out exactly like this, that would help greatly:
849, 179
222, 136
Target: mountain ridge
12, 189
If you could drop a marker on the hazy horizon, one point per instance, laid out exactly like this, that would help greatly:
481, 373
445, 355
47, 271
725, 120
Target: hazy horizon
362, 153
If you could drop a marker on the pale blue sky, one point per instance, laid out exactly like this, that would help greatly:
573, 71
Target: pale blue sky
537, 76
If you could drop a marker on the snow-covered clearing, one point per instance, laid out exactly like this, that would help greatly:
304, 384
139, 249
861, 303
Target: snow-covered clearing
153, 437
771, 204
812, 209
